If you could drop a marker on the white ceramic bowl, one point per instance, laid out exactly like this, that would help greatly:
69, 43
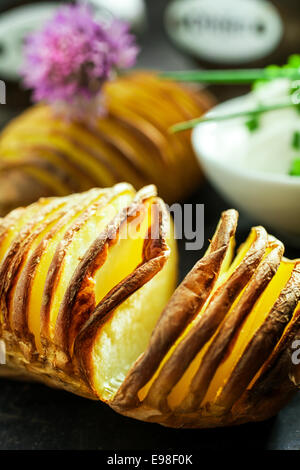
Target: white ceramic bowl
271, 198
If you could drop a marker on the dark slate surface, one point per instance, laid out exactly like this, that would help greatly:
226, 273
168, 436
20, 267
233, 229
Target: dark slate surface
36, 417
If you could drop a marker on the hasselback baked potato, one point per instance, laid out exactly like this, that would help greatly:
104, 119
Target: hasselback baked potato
43, 155
84, 289
62, 258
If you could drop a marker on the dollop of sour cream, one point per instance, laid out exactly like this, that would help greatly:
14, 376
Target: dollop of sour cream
266, 149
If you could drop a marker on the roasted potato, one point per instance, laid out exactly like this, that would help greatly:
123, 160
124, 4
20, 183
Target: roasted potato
61, 258
88, 304
43, 155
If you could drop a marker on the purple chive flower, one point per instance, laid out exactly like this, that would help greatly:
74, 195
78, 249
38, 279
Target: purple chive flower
69, 60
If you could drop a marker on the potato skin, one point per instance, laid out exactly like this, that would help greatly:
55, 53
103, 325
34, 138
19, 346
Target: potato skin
271, 392
270, 347
207, 325
54, 273
263, 342
155, 255
182, 308
79, 302
17, 252
24, 283
220, 344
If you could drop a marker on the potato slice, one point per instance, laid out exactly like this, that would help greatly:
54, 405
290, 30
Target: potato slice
215, 351
28, 291
271, 314
120, 245
17, 220
203, 328
68, 142
199, 283
99, 145
17, 316
70, 252
19, 235
129, 311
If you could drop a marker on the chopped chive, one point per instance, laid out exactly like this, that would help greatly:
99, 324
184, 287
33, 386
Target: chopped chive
295, 167
296, 140
252, 124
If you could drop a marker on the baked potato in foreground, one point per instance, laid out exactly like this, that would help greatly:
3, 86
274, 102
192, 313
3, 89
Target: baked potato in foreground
44, 155
62, 258
86, 288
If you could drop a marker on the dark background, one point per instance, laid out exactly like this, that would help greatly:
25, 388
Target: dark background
36, 417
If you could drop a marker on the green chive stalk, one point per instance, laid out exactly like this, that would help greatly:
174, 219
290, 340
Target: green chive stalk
233, 77
182, 126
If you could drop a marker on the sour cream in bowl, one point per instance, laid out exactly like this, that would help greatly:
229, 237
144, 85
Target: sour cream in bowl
252, 168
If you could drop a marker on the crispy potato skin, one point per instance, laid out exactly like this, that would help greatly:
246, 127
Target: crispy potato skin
79, 302
221, 342
156, 253
270, 393
240, 401
189, 297
205, 315
207, 325
54, 274
41, 155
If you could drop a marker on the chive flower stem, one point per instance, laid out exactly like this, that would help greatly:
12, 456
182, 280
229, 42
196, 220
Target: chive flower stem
182, 126
232, 77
